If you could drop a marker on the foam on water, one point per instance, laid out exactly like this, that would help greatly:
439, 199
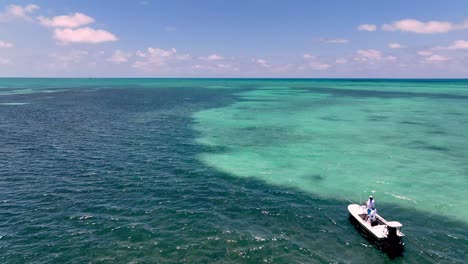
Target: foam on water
13, 103
346, 142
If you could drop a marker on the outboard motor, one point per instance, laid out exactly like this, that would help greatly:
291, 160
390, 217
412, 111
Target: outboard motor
392, 235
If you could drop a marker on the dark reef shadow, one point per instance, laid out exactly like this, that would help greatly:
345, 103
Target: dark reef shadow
357, 93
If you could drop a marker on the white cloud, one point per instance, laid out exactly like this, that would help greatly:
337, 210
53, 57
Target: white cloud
140, 54
367, 27
4, 61
341, 61
456, 45
436, 58
22, 10
459, 45
69, 29
313, 64
395, 45
70, 21
226, 67
335, 41
425, 53
212, 57
419, 27
319, 66
156, 59
262, 63
161, 53
4, 44
119, 57
83, 35
370, 54
16, 11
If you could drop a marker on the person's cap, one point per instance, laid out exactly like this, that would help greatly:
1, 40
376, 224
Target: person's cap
371, 196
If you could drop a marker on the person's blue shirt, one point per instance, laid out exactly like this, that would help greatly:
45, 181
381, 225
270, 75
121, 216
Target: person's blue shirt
370, 204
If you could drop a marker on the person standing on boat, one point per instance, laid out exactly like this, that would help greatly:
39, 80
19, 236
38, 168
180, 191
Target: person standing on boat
370, 204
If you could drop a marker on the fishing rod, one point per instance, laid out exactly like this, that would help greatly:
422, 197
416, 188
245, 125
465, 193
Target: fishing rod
423, 250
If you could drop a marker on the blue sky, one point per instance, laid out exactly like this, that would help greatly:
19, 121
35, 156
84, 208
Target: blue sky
255, 38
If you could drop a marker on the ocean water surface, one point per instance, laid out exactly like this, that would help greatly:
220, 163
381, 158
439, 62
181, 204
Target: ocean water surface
230, 170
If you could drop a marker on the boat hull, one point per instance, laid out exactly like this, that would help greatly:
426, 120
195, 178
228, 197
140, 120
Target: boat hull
377, 233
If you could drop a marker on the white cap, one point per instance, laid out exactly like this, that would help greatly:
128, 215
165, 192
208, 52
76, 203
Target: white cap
371, 196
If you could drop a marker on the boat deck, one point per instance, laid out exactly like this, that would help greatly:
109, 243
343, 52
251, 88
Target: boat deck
379, 231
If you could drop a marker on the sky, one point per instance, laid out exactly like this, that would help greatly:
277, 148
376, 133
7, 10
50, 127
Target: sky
243, 38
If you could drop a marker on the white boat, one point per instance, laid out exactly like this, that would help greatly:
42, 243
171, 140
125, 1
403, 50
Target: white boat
381, 230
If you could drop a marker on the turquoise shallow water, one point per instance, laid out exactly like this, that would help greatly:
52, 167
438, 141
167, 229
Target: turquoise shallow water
406, 144
226, 170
